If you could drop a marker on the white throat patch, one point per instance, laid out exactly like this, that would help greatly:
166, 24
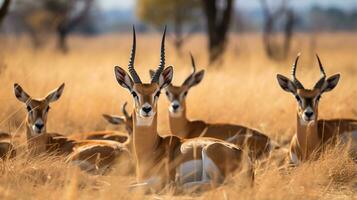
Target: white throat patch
144, 121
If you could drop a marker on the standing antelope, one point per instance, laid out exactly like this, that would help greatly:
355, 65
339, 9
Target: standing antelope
257, 143
89, 154
163, 160
313, 135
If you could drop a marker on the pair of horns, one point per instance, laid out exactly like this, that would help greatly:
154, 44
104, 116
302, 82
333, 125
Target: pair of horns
298, 83
160, 68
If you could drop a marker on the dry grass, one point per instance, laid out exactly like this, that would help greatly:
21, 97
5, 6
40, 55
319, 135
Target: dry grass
244, 90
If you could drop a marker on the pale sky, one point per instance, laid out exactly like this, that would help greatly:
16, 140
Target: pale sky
352, 4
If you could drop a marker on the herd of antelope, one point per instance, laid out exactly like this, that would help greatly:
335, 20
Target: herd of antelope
195, 154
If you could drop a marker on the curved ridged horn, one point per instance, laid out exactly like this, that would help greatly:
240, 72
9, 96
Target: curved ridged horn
293, 73
123, 110
155, 77
323, 74
193, 64
132, 71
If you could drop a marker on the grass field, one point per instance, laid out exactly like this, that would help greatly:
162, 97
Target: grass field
243, 90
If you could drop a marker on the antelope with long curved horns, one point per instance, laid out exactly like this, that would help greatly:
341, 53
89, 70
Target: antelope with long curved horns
164, 160
90, 155
258, 144
313, 134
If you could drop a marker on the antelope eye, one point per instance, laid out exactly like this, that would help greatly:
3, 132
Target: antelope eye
47, 109
185, 93
28, 108
157, 95
134, 94
297, 98
318, 98
167, 93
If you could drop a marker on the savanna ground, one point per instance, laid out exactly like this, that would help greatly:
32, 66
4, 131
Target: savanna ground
243, 90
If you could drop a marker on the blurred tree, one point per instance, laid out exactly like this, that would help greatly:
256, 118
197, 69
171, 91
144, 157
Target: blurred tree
4, 9
178, 13
218, 17
284, 17
68, 15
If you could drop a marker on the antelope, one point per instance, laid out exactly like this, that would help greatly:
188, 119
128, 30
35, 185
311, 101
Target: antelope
91, 155
257, 143
111, 135
7, 149
313, 135
164, 160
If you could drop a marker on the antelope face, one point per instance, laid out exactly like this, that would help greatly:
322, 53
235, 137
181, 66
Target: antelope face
177, 94
37, 109
308, 99
145, 95
127, 119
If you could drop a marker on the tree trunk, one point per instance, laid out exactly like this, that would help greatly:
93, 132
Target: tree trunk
4, 9
218, 21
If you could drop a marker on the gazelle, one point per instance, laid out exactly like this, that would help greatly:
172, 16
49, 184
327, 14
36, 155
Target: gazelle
313, 135
257, 143
163, 160
119, 136
7, 149
89, 154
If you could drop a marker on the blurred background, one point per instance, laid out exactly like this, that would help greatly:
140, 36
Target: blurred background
277, 20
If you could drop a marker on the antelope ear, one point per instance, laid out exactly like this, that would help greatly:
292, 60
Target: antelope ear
20, 94
55, 94
151, 72
330, 83
123, 78
114, 119
286, 84
194, 79
166, 77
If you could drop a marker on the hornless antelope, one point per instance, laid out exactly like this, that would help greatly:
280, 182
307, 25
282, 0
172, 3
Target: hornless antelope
89, 154
257, 143
313, 135
163, 160
7, 149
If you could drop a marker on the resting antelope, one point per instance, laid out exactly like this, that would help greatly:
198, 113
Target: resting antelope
119, 136
163, 160
89, 154
257, 143
313, 135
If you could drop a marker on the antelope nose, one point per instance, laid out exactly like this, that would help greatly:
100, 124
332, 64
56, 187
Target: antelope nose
146, 109
39, 126
309, 114
175, 106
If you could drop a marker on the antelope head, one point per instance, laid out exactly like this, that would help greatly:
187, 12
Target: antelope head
145, 95
126, 119
308, 99
37, 109
177, 94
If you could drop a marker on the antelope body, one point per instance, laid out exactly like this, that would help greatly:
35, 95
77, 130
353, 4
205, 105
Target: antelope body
91, 155
7, 149
314, 135
160, 160
256, 142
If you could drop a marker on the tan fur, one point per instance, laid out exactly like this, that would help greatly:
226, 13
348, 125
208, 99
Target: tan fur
256, 142
7, 149
98, 154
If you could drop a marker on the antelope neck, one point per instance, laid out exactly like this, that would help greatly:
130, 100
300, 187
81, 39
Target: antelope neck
145, 141
308, 138
180, 125
36, 143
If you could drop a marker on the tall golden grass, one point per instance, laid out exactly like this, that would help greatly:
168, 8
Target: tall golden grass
242, 89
